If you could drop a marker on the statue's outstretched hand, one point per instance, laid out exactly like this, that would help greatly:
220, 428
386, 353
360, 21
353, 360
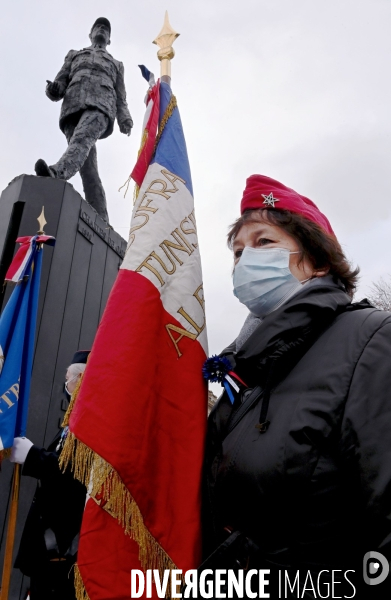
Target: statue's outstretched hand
53, 88
126, 126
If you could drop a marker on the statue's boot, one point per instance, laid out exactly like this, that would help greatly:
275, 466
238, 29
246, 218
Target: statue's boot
43, 170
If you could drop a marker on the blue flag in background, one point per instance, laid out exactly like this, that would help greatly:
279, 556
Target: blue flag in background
17, 336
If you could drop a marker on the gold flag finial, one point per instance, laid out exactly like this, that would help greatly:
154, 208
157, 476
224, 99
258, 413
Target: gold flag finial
42, 222
164, 40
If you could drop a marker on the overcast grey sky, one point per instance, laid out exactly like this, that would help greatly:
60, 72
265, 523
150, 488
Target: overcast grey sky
299, 90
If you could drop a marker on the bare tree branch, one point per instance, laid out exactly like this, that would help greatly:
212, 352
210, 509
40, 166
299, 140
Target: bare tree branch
380, 293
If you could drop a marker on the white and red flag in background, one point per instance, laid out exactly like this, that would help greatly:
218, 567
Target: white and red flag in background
137, 423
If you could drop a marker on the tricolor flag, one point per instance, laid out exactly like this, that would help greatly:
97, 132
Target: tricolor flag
17, 336
137, 423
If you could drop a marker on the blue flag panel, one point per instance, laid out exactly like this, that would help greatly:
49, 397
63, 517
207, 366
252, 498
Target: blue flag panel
17, 335
171, 151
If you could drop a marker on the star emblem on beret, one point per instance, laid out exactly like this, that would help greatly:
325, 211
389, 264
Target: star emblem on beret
269, 200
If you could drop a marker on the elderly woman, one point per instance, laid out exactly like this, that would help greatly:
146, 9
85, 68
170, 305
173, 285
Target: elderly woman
298, 458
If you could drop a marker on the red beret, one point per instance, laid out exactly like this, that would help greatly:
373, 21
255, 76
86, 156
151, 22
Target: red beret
265, 192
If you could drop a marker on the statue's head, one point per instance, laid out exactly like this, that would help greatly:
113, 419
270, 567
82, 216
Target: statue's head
101, 31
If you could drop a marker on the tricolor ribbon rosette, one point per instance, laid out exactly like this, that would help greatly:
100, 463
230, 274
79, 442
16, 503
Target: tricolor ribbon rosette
218, 369
25, 255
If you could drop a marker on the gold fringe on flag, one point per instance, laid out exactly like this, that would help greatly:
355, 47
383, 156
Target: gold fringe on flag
72, 401
107, 489
167, 114
80, 590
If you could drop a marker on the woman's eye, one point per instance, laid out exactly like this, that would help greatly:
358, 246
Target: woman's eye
264, 242
238, 253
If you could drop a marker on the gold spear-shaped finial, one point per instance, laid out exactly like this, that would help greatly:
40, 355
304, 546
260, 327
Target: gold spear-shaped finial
164, 40
41, 222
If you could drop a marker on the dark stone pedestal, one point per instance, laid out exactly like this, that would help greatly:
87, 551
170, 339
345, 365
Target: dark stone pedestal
77, 276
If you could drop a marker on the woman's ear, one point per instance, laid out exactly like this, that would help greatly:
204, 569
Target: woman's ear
321, 272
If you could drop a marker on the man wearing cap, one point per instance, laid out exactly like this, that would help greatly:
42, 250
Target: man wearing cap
50, 537
91, 82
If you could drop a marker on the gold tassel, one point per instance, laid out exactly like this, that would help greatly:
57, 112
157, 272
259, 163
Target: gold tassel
80, 590
136, 192
127, 182
5, 453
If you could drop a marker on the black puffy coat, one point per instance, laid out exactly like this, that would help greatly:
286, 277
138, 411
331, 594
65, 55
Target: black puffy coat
313, 491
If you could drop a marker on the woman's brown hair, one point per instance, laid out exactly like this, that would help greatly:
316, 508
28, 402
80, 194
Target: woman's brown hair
321, 249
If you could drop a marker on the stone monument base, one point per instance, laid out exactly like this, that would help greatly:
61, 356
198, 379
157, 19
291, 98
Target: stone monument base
77, 276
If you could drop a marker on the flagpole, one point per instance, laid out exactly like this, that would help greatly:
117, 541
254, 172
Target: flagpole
13, 513
166, 53
9, 545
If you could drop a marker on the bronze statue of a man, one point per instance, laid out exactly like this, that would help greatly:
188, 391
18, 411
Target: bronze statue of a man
91, 82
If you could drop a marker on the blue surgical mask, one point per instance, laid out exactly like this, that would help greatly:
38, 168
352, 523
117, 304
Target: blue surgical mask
262, 279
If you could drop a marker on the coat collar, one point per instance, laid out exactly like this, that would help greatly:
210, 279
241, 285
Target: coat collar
304, 316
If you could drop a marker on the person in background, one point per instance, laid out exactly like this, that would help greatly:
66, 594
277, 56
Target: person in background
49, 541
298, 452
